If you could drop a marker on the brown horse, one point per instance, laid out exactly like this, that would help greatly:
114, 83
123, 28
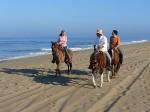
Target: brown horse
60, 57
115, 62
99, 66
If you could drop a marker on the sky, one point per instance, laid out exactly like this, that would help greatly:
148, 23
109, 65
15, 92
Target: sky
79, 18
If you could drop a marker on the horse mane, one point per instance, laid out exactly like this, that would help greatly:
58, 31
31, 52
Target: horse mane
101, 61
57, 46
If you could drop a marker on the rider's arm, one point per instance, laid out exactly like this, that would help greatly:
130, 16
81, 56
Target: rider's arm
118, 42
62, 40
95, 43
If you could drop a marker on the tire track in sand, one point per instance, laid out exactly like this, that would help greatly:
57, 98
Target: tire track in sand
50, 100
108, 98
126, 90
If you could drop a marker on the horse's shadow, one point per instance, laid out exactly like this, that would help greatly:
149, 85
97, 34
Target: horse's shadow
39, 76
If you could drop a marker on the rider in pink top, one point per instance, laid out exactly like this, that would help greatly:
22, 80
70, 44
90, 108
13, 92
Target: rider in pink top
62, 40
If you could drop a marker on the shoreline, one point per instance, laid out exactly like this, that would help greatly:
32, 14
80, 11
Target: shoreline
84, 49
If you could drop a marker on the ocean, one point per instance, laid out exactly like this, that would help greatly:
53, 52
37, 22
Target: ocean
19, 47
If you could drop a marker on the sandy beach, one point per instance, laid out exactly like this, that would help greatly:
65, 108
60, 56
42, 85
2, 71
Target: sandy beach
29, 85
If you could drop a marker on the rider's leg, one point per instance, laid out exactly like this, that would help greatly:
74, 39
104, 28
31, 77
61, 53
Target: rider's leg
109, 59
110, 52
120, 55
66, 53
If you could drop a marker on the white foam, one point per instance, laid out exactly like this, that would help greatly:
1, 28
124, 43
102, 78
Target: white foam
79, 49
46, 49
134, 42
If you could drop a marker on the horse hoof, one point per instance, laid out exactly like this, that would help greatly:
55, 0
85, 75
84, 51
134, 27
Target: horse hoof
94, 86
69, 73
54, 76
113, 77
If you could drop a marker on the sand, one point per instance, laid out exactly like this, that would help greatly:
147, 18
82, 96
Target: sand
29, 85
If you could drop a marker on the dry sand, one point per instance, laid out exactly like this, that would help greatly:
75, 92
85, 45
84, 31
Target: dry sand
29, 85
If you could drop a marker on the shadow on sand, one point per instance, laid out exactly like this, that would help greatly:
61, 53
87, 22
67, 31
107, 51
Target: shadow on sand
39, 76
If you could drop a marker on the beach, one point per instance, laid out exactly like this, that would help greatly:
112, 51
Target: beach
29, 85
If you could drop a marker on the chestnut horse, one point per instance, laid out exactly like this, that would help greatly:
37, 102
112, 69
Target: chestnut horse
115, 62
60, 57
99, 66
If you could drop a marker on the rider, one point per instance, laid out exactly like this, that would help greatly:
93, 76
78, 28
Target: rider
114, 43
62, 41
101, 44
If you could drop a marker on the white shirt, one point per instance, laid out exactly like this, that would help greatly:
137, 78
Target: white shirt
101, 41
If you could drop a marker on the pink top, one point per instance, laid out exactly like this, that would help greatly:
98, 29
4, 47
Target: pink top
62, 40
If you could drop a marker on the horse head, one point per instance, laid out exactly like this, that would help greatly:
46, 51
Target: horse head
54, 46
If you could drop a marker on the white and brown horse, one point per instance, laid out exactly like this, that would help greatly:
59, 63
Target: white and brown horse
99, 67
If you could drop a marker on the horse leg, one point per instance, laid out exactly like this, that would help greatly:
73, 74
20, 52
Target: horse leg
118, 67
101, 80
113, 71
56, 73
68, 71
93, 76
57, 70
108, 76
70, 66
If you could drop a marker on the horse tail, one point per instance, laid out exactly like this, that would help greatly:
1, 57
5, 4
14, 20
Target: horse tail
70, 53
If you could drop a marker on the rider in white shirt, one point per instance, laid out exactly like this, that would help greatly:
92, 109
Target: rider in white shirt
101, 44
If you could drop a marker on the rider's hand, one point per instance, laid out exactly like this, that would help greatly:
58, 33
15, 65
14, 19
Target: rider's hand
99, 46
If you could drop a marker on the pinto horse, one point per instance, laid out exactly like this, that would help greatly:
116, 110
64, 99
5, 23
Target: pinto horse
60, 57
98, 63
115, 62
